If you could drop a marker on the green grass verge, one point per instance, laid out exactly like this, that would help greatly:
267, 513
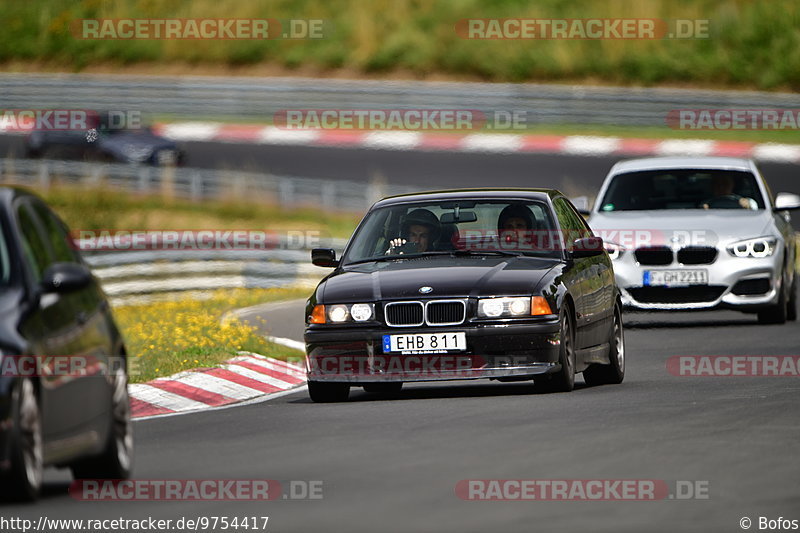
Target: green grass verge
102, 208
167, 337
752, 43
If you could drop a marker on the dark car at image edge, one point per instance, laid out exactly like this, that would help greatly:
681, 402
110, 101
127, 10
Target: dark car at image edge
53, 309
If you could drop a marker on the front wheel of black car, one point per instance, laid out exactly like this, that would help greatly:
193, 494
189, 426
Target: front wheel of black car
564, 379
614, 372
322, 392
116, 461
384, 388
24, 480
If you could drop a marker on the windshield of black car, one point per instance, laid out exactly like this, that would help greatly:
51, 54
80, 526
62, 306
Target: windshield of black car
682, 189
456, 228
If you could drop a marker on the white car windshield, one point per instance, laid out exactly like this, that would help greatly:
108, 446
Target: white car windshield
682, 189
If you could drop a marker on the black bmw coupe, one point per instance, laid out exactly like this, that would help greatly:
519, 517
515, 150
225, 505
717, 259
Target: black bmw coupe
504, 284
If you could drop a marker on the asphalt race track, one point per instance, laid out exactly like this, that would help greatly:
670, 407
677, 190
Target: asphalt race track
392, 464
573, 174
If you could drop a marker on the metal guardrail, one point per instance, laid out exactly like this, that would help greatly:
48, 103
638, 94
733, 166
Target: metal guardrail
137, 276
141, 276
200, 184
190, 96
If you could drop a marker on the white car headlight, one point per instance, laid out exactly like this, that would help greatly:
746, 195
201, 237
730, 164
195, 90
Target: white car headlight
615, 251
757, 248
498, 307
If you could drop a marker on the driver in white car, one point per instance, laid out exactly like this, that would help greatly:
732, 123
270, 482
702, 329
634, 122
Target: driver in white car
724, 197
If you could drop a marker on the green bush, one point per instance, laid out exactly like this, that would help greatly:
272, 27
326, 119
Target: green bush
752, 43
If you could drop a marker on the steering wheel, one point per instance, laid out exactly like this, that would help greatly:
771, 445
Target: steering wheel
727, 201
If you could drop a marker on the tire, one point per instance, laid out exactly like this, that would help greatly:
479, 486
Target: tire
116, 460
614, 372
776, 314
791, 307
392, 387
564, 379
24, 480
323, 392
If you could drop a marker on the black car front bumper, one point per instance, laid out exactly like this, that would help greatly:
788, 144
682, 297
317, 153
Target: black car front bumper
494, 350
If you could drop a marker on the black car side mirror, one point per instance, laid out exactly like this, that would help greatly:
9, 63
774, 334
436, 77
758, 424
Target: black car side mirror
324, 257
587, 247
65, 277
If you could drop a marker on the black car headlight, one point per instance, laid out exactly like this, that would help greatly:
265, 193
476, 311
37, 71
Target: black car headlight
758, 248
513, 307
342, 313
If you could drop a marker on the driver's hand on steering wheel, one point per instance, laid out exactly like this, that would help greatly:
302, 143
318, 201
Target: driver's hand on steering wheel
395, 243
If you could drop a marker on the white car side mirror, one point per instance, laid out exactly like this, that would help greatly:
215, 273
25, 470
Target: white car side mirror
786, 201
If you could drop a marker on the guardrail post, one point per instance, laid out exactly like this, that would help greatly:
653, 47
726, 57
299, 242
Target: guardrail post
328, 193
96, 176
9, 168
239, 188
168, 182
375, 190
196, 187
44, 175
144, 179
286, 192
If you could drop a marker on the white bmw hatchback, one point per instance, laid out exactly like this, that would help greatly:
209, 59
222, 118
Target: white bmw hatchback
699, 233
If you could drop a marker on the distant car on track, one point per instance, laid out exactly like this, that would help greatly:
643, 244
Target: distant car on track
104, 143
504, 284
699, 233
63, 376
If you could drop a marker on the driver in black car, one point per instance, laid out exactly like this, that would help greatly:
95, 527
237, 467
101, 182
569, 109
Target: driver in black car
724, 197
419, 229
513, 220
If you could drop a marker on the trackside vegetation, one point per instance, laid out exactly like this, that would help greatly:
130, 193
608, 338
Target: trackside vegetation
750, 43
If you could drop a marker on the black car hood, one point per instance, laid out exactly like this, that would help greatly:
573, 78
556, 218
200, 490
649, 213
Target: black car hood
447, 276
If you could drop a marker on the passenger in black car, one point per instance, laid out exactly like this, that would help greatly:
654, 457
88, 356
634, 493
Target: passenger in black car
514, 219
